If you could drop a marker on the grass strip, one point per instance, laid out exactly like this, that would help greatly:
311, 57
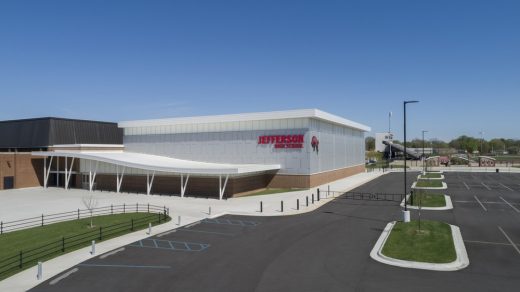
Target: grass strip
429, 184
45, 242
427, 200
433, 243
431, 175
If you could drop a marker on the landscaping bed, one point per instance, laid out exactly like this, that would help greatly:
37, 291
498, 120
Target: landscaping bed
429, 184
431, 175
427, 200
433, 243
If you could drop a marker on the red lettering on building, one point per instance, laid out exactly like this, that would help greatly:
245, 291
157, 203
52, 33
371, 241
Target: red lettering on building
282, 141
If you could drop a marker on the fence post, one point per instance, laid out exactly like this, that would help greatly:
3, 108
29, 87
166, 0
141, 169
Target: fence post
2, 227
306, 201
78, 213
42, 219
123, 208
63, 244
111, 209
297, 204
100, 233
159, 216
148, 207
137, 207
261, 207
132, 222
21, 262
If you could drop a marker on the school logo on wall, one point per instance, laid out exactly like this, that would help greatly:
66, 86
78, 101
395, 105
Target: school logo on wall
315, 143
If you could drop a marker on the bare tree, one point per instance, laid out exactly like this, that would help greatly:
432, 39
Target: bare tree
90, 203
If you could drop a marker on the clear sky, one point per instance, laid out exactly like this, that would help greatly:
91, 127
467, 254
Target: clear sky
125, 60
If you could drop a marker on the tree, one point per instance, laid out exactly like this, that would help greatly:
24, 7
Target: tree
370, 143
90, 202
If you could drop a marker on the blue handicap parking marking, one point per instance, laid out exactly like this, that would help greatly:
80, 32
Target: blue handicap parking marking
230, 222
170, 245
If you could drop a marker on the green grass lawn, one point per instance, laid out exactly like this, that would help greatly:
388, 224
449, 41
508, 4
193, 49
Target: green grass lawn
429, 184
427, 200
432, 244
272, 191
12, 243
431, 175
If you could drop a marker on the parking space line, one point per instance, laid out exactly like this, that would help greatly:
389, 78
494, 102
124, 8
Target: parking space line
167, 232
209, 232
125, 266
506, 187
509, 239
481, 205
467, 187
514, 208
63, 276
485, 186
487, 242
111, 253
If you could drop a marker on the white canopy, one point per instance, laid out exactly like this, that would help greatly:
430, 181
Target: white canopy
160, 163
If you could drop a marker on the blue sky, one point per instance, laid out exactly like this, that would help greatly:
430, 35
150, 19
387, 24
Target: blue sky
125, 60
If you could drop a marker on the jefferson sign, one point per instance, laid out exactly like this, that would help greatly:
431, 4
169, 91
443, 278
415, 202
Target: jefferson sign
282, 141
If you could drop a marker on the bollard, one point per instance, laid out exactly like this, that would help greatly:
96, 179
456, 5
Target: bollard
318, 194
93, 249
179, 220
209, 211
39, 274
313, 198
149, 228
297, 204
281, 206
306, 201
261, 206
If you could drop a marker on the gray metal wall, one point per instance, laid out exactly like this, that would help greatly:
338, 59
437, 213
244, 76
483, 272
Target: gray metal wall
339, 147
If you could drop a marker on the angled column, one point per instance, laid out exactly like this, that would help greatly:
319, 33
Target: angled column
149, 182
221, 187
184, 184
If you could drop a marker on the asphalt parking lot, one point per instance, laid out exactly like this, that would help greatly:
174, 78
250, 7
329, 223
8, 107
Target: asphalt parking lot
324, 250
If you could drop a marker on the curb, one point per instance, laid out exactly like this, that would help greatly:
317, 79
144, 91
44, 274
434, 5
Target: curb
444, 187
461, 262
449, 205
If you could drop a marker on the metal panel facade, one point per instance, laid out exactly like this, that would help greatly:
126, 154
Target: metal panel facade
43, 132
339, 146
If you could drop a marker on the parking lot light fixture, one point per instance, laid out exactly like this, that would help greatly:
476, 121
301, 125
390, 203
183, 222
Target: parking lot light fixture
423, 157
406, 213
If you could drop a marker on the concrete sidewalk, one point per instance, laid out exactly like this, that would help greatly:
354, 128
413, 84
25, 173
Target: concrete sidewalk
17, 204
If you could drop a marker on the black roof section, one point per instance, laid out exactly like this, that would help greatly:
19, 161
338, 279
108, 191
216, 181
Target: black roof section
48, 131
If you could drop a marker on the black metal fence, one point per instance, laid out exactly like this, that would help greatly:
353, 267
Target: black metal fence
27, 258
78, 214
366, 196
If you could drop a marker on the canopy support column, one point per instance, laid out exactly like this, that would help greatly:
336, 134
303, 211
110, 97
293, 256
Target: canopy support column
221, 187
69, 173
92, 178
119, 178
46, 171
57, 171
149, 182
184, 184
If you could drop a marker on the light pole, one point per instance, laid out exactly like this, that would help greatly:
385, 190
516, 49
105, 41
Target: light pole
406, 213
424, 158
389, 135
481, 140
